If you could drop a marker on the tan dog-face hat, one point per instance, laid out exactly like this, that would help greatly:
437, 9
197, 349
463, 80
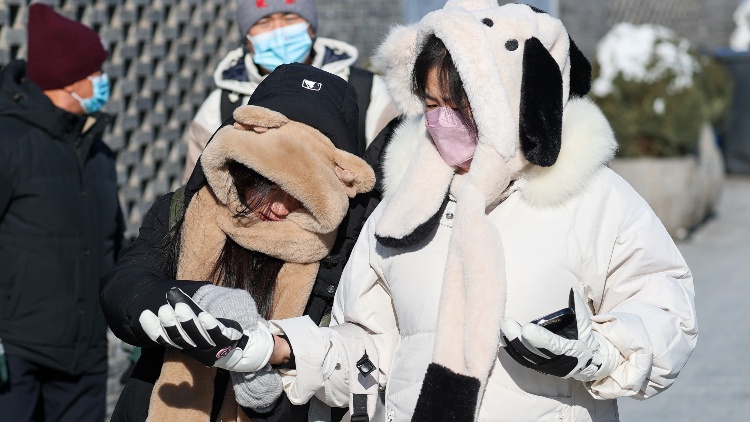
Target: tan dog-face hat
298, 132
297, 157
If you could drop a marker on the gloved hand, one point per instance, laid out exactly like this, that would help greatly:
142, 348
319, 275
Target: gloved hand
588, 356
219, 342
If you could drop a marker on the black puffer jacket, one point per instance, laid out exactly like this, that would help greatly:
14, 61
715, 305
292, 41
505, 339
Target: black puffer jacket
60, 228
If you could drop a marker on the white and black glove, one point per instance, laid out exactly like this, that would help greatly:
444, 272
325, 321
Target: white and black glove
581, 354
219, 342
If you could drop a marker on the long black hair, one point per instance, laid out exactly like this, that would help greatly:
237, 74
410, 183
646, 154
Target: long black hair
434, 55
236, 266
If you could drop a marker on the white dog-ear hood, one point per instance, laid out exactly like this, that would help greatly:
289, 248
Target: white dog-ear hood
523, 75
524, 79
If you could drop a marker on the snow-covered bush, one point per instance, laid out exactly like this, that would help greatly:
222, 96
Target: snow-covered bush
740, 39
656, 91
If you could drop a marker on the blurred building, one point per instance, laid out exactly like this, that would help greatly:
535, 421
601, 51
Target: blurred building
163, 53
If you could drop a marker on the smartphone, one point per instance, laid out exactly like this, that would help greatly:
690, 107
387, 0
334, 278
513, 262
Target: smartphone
562, 322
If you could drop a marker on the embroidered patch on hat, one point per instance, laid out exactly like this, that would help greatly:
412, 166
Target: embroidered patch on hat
311, 85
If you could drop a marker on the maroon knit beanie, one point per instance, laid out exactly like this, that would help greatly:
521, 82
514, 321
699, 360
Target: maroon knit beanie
60, 51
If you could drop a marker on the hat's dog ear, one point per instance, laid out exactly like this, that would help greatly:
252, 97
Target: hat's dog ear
580, 72
541, 109
353, 172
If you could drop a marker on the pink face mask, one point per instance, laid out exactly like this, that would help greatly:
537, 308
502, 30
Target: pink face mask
455, 142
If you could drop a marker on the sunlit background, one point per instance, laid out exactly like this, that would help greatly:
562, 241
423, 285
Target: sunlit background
685, 134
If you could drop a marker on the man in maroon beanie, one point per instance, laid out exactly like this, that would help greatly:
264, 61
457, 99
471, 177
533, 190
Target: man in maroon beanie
60, 224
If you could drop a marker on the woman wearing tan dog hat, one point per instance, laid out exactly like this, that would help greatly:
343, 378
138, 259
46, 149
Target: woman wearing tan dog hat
508, 274
241, 243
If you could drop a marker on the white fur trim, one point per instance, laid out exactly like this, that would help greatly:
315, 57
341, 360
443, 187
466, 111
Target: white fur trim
417, 198
400, 152
588, 143
395, 58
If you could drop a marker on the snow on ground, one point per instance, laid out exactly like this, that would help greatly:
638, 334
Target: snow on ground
740, 39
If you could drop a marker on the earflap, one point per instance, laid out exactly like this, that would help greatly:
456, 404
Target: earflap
580, 72
541, 108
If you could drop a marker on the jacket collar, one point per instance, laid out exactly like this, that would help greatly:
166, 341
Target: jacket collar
237, 72
22, 99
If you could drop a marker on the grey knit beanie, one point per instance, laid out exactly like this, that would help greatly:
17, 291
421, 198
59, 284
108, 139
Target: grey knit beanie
251, 11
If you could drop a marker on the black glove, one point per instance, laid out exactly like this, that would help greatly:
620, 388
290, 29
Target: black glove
584, 355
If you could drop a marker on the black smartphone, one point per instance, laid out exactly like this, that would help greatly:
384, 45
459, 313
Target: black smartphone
562, 322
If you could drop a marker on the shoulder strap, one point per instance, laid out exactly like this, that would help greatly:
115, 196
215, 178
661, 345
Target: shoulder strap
227, 106
176, 208
361, 80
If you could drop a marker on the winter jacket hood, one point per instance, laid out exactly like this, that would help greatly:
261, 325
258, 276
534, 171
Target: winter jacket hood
22, 99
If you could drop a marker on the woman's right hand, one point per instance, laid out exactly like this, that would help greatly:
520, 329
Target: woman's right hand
217, 342
282, 351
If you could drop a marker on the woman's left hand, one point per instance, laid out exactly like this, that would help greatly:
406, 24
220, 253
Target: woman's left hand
588, 356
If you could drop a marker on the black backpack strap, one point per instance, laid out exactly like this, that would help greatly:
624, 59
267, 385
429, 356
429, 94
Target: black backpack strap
360, 207
361, 80
176, 208
227, 106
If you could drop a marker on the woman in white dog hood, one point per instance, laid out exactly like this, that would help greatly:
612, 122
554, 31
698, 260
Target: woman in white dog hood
499, 208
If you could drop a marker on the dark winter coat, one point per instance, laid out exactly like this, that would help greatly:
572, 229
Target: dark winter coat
143, 275
60, 228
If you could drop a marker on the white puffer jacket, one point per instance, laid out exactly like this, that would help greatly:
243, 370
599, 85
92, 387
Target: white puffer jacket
602, 240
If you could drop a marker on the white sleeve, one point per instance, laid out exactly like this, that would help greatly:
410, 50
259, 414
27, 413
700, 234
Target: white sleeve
362, 320
647, 308
200, 130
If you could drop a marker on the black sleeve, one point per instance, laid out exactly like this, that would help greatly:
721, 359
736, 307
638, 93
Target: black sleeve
120, 242
360, 208
141, 277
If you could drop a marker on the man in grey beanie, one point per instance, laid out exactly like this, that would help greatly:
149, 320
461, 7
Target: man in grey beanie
278, 32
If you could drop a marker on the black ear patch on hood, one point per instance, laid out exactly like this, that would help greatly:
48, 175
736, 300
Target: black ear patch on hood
541, 111
580, 72
419, 234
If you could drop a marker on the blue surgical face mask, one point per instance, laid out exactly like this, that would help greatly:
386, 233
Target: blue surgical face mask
93, 104
289, 44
